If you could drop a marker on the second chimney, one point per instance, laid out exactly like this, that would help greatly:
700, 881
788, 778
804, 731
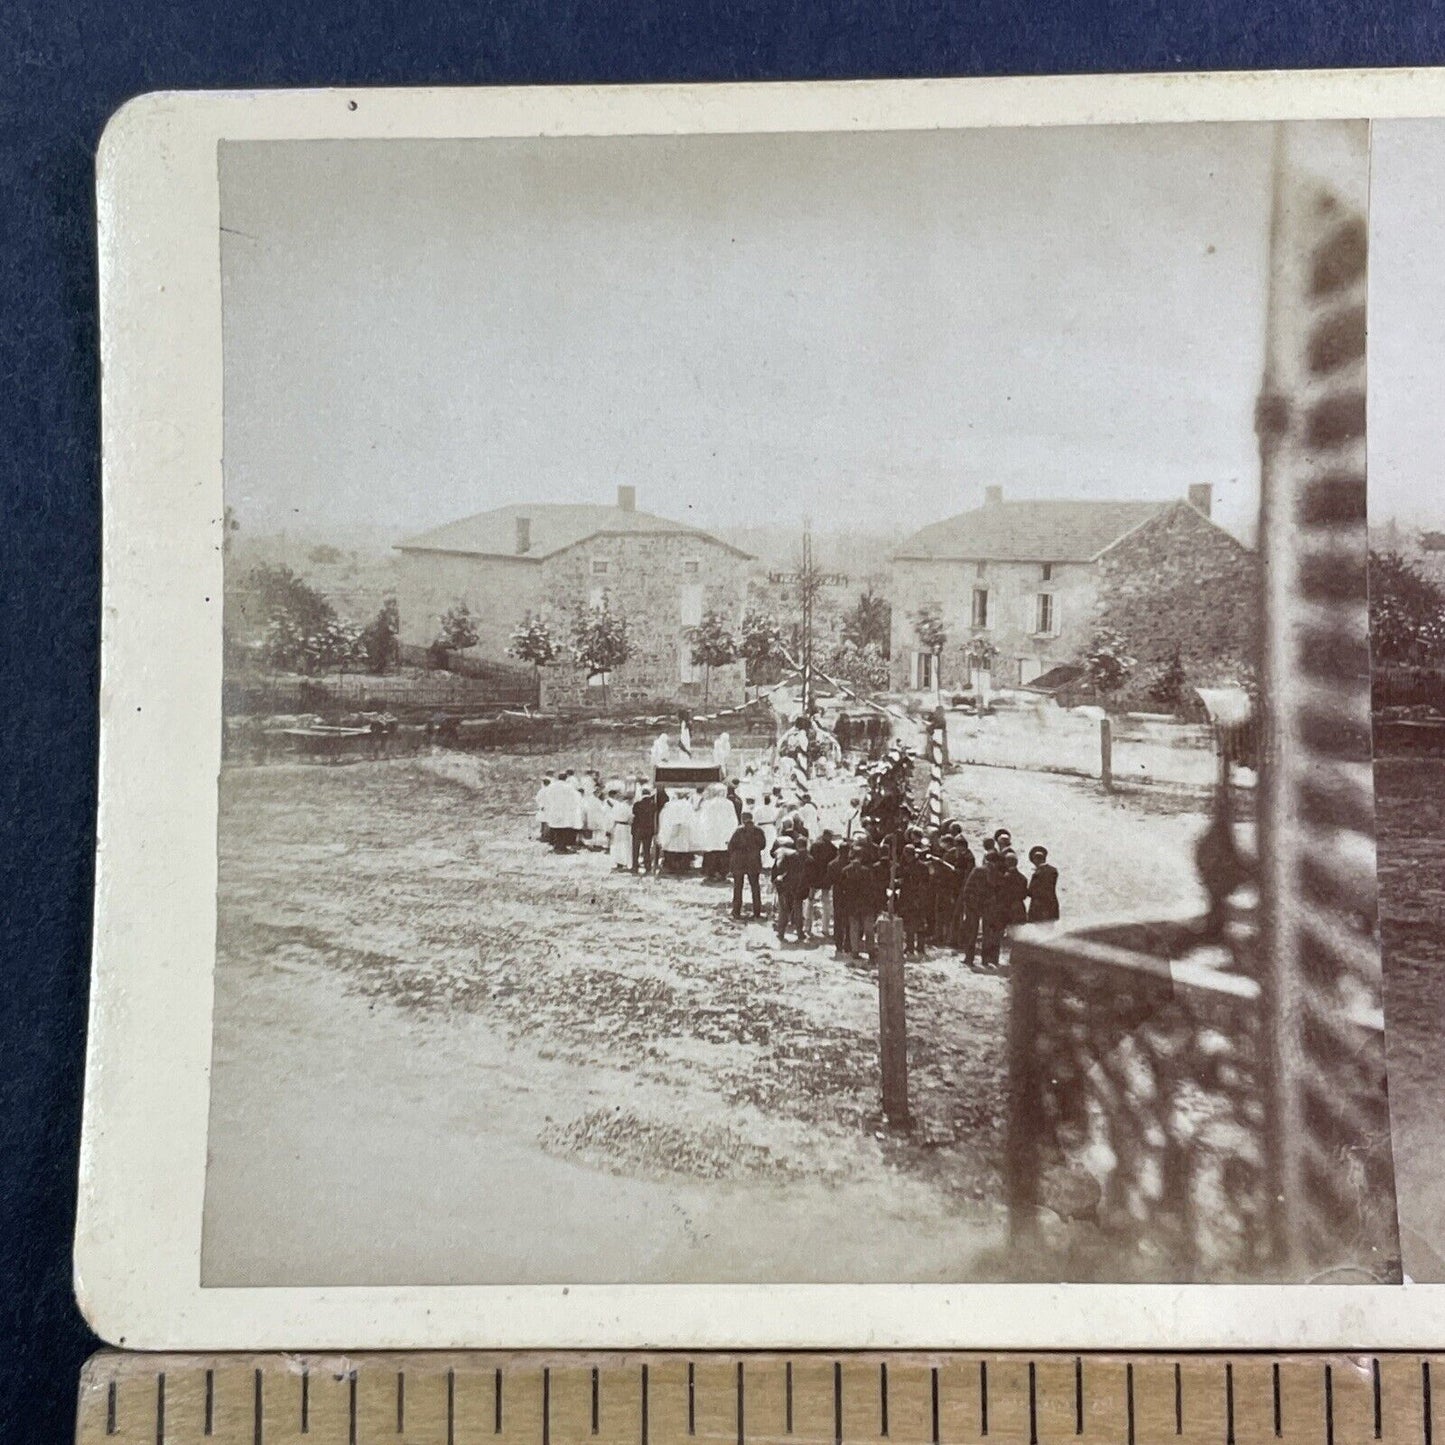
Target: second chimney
992, 496
1201, 497
627, 498
524, 535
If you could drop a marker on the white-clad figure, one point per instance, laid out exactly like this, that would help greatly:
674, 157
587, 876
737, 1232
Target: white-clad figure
675, 830
621, 809
807, 814
562, 813
596, 814
717, 821
765, 815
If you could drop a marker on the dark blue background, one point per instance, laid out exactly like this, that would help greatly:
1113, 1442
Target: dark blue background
63, 69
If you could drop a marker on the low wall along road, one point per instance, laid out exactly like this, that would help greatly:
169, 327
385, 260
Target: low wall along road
1052, 740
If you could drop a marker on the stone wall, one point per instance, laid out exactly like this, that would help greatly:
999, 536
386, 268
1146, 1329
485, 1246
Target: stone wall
650, 578
1180, 581
1014, 588
498, 591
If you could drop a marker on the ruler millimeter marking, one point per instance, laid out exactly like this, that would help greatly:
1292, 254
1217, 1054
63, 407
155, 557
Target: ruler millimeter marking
803, 1399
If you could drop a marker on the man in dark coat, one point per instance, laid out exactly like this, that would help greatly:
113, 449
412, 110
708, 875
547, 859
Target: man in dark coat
821, 854
735, 798
644, 828
973, 899
963, 866
1004, 904
790, 878
915, 900
1016, 888
855, 883
745, 860
875, 898
943, 872
838, 888
1043, 888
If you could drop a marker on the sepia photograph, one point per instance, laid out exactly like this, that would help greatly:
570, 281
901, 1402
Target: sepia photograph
797, 707
1407, 636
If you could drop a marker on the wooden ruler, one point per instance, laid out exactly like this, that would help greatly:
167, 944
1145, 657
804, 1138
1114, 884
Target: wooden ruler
804, 1399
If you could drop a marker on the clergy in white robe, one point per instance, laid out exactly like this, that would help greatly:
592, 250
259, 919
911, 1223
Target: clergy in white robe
596, 815
562, 813
621, 811
716, 821
675, 833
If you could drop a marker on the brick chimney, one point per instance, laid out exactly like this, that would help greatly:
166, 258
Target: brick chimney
627, 499
1201, 496
992, 496
524, 535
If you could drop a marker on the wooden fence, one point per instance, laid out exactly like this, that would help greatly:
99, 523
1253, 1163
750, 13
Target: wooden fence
402, 693
1414, 687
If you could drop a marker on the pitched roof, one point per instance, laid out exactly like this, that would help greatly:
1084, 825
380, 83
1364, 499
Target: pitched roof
553, 527
1033, 531
1056, 679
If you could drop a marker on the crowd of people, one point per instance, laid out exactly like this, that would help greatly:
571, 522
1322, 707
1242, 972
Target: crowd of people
827, 882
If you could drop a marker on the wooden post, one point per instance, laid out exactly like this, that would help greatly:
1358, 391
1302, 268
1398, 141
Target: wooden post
1025, 1099
892, 1021
1106, 754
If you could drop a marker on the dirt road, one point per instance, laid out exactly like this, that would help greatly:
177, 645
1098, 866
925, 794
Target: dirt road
445, 1054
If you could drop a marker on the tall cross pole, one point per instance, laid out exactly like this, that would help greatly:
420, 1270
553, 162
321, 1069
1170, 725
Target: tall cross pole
807, 585
809, 581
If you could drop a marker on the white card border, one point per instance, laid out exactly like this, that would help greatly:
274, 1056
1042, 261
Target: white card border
137, 1257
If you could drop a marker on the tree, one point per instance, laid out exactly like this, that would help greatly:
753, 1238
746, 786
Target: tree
325, 555
600, 643
302, 630
459, 629
1170, 687
532, 641
1407, 612
760, 643
864, 669
1107, 662
229, 527
870, 622
712, 646
380, 641
932, 635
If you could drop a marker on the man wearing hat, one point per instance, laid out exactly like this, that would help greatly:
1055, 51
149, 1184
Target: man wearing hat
1043, 888
745, 860
790, 879
644, 828
973, 899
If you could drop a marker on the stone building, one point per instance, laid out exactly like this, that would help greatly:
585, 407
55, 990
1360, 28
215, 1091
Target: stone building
1179, 585
1023, 586
555, 560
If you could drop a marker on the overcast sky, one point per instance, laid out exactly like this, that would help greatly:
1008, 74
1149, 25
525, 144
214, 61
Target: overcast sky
1407, 322
868, 328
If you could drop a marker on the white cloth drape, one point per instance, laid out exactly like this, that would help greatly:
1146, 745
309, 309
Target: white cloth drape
676, 827
562, 805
